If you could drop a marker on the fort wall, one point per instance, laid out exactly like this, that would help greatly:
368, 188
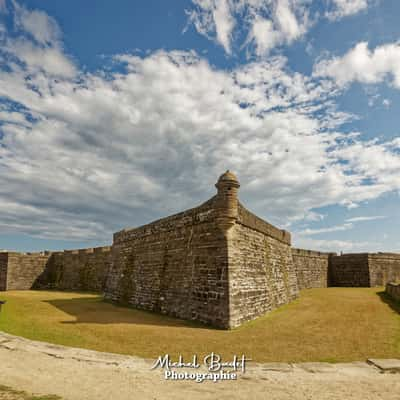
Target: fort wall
3, 270
383, 268
350, 270
312, 268
82, 270
175, 266
218, 264
24, 268
261, 273
364, 269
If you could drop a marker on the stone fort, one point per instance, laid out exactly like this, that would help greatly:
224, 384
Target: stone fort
217, 263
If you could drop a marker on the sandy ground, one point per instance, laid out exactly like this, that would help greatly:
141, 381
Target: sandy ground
77, 374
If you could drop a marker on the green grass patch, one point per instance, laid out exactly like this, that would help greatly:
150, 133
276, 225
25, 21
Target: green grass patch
334, 324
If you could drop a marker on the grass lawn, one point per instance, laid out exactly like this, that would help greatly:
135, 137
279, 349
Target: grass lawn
334, 324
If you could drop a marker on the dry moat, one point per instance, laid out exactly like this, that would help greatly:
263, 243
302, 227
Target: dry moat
330, 324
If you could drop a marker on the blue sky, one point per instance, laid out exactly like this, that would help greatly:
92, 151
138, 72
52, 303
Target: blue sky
117, 114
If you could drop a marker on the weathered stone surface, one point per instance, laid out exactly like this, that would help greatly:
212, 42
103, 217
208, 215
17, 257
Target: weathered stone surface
349, 270
23, 269
83, 269
386, 365
3, 270
316, 367
12, 342
261, 274
364, 269
175, 266
393, 290
217, 263
383, 268
311, 268
276, 366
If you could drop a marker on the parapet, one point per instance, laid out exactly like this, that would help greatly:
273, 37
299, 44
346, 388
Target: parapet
311, 253
247, 218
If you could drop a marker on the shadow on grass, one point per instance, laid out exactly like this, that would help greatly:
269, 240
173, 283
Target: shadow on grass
393, 304
98, 311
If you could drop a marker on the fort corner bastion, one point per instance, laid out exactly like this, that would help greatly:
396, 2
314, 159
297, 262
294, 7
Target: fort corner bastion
217, 263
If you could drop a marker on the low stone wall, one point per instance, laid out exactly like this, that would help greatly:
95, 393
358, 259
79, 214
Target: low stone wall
23, 269
393, 290
84, 269
312, 268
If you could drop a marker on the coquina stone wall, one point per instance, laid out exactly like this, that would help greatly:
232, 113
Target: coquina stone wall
23, 269
364, 269
312, 268
82, 270
350, 270
383, 268
261, 273
3, 270
218, 263
393, 290
175, 266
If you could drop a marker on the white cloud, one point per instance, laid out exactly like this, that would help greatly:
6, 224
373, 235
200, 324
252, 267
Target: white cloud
338, 228
335, 246
50, 60
344, 8
366, 218
41, 26
92, 155
264, 36
37, 47
224, 23
386, 103
214, 18
287, 21
363, 65
266, 24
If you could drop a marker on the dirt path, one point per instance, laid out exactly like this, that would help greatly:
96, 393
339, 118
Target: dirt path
77, 374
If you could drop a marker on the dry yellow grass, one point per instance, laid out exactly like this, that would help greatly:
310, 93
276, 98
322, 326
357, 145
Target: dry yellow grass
334, 324
7, 393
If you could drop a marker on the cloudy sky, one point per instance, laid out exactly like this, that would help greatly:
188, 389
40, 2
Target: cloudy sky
113, 114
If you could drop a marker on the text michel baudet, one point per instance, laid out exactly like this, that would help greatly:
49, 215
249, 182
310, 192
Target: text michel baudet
217, 369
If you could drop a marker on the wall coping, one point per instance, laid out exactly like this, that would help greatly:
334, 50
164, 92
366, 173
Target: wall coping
393, 284
47, 253
165, 220
352, 255
247, 218
17, 253
305, 252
